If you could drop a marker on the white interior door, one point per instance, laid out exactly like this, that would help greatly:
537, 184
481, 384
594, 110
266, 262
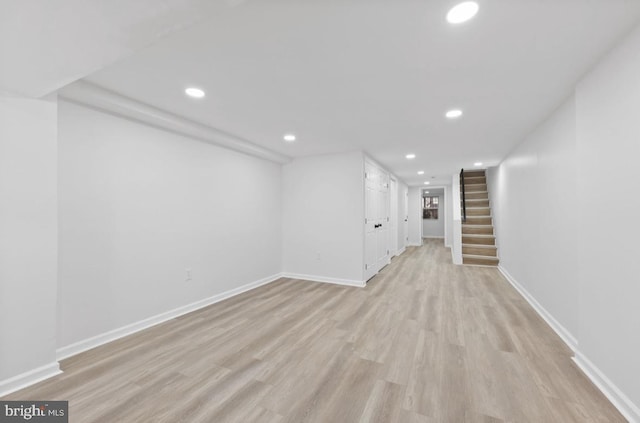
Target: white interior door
393, 216
406, 217
383, 221
377, 220
371, 224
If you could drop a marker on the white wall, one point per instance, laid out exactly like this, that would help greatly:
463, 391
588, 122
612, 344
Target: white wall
138, 206
323, 216
434, 228
28, 236
608, 103
415, 216
534, 205
573, 252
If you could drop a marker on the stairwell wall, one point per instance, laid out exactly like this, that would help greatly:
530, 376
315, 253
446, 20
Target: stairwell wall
573, 174
533, 201
608, 130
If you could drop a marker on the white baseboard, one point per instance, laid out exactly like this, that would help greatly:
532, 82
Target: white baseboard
626, 407
325, 279
562, 332
121, 332
29, 378
400, 251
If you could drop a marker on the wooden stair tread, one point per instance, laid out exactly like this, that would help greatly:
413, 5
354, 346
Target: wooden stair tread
477, 228
490, 258
483, 249
470, 230
481, 239
480, 261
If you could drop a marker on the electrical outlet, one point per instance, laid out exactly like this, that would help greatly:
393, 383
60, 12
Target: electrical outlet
188, 277
318, 257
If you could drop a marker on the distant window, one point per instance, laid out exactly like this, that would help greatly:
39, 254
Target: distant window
430, 207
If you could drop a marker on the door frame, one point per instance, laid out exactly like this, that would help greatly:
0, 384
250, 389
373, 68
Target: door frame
446, 210
394, 212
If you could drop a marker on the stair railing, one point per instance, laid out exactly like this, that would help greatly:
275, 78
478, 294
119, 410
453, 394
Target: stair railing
464, 203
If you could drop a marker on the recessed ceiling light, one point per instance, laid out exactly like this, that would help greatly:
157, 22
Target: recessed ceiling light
453, 114
462, 12
194, 92
426, 192
477, 164
410, 156
289, 137
427, 182
421, 172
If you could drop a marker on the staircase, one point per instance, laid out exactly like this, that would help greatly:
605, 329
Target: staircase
478, 241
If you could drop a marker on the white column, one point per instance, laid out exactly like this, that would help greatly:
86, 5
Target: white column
456, 250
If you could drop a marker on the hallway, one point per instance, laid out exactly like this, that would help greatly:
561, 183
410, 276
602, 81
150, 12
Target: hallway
425, 341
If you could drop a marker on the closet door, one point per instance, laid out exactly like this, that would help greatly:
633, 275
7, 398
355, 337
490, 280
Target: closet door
393, 216
406, 217
382, 257
371, 221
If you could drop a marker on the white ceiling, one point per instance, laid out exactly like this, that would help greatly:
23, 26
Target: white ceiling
378, 75
46, 44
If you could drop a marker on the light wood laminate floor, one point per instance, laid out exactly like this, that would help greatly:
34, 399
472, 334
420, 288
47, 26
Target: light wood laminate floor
425, 341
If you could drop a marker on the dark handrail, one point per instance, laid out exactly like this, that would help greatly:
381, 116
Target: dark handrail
464, 203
